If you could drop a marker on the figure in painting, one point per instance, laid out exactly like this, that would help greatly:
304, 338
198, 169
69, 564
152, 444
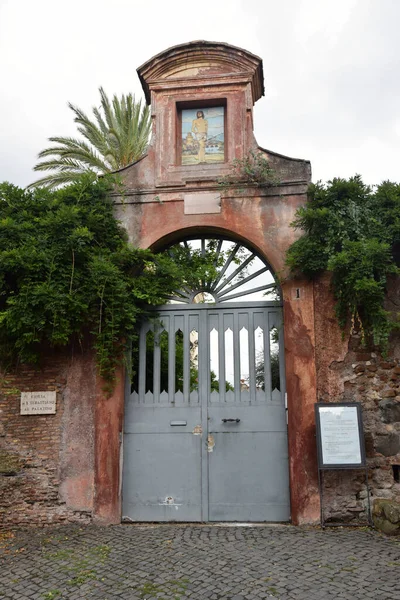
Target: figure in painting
203, 135
200, 129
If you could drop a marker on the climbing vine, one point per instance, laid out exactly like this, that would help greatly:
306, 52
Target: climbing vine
353, 231
67, 272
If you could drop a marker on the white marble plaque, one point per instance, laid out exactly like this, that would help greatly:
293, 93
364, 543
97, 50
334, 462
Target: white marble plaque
202, 204
340, 435
38, 403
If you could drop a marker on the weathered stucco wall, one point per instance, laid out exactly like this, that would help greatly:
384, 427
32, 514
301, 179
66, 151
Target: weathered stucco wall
263, 221
153, 211
108, 444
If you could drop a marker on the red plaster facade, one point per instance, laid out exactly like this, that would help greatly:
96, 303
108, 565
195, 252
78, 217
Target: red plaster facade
153, 212
108, 457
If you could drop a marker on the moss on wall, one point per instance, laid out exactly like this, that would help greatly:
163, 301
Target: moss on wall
10, 464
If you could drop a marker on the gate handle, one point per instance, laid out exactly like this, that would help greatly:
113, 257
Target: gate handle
231, 420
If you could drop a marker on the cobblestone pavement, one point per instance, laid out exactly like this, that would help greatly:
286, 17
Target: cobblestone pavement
198, 562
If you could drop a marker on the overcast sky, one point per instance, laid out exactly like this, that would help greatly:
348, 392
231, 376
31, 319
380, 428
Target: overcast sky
331, 68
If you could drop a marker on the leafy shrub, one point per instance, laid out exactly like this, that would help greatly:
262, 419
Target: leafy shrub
253, 169
353, 231
67, 271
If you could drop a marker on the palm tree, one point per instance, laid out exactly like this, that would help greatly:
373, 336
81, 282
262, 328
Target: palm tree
116, 137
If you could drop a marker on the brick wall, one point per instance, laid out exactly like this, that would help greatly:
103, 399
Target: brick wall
46, 462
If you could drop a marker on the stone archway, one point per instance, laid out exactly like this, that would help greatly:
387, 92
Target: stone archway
298, 315
206, 413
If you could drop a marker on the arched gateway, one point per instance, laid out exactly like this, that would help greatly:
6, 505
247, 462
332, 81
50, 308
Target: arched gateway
205, 435
183, 457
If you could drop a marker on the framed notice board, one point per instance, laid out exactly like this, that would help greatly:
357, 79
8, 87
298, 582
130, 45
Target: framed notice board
340, 437
340, 445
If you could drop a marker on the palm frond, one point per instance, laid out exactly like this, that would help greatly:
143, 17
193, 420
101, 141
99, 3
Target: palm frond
100, 121
117, 136
97, 136
61, 165
57, 179
108, 112
75, 149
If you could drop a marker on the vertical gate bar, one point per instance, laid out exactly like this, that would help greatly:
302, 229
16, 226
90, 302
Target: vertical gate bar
252, 357
142, 363
186, 359
194, 327
157, 363
171, 358
201, 360
236, 356
267, 357
282, 371
213, 351
221, 356
204, 391
203, 253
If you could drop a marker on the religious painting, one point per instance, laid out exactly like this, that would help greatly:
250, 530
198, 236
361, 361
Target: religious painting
203, 135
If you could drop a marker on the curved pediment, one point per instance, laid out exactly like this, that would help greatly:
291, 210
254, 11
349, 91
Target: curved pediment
202, 60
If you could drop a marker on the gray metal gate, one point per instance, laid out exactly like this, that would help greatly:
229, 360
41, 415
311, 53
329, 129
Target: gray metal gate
205, 434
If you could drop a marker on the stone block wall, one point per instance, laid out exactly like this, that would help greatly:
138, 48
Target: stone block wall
46, 461
347, 372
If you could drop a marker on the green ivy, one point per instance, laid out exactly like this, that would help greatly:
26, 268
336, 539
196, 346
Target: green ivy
68, 272
353, 231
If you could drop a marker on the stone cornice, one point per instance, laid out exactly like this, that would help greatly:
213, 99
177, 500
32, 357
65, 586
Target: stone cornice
201, 61
172, 194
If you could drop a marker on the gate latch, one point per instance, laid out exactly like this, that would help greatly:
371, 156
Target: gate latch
231, 420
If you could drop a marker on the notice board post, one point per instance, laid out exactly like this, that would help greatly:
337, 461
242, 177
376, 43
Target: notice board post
340, 444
